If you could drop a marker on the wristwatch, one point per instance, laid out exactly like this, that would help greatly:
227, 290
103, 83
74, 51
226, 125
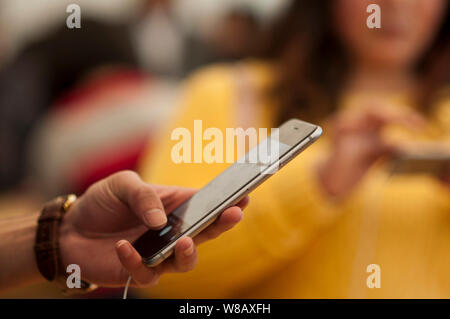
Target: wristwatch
46, 248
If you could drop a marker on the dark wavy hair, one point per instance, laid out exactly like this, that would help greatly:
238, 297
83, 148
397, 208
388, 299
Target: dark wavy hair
313, 64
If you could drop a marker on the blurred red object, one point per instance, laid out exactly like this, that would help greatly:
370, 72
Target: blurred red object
100, 127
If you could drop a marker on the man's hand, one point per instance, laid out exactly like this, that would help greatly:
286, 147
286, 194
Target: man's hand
97, 230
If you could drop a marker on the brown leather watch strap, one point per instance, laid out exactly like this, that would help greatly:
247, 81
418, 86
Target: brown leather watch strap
46, 246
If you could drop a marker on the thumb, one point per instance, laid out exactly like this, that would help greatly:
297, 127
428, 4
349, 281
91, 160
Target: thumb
140, 197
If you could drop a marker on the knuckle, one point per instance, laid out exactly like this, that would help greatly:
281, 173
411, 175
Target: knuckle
143, 193
119, 180
125, 174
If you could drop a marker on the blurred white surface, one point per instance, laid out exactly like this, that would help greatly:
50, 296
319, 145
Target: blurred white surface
24, 20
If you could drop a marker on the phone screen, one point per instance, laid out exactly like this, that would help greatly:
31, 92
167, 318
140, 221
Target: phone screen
206, 200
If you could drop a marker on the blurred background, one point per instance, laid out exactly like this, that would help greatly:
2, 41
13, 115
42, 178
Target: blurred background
77, 105
128, 54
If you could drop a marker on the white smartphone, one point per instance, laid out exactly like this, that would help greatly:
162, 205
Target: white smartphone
226, 190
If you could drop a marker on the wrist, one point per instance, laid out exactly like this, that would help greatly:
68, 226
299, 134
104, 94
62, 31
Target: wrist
31, 272
49, 237
339, 173
67, 242
17, 259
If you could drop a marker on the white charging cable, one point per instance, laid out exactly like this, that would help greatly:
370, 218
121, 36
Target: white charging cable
125, 292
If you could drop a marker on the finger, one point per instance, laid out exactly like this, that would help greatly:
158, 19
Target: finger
140, 197
374, 118
184, 258
243, 203
227, 220
172, 196
132, 263
407, 118
185, 255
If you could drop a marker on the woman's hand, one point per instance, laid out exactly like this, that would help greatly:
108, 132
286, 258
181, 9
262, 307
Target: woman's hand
357, 143
97, 230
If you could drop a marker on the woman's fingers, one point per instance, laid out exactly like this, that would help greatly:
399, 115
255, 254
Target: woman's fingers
380, 117
131, 261
226, 221
374, 118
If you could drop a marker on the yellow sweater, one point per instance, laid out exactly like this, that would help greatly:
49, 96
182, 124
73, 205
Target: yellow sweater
294, 242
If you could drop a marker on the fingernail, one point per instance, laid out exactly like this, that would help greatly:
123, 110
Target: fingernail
155, 218
124, 249
189, 251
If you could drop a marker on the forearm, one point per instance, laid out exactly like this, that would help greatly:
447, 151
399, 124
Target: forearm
17, 261
337, 178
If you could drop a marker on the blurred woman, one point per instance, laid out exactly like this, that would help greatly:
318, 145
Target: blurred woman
314, 228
